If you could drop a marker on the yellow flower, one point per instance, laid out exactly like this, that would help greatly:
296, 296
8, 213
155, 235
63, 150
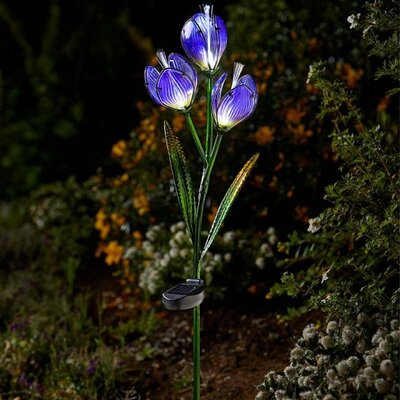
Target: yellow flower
383, 104
140, 201
294, 115
101, 223
264, 135
349, 74
117, 219
114, 253
119, 148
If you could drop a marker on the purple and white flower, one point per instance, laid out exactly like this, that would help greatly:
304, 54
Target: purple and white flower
237, 104
175, 86
204, 39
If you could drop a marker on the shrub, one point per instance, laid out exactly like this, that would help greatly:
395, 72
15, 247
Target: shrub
347, 265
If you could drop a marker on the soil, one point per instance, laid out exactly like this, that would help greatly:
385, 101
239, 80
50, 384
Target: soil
237, 351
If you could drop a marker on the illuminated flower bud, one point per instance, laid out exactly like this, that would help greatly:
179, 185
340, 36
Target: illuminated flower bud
204, 39
175, 86
237, 104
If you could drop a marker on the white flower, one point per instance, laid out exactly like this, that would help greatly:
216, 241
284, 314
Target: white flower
353, 362
228, 257
272, 240
262, 396
265, 249
297, 353
394, 324
331, 327
315, 225
387, 368
342, 368
385, 346
347, 335
331, 375
217, 258
174, 253
361, 346
308, 395
352, 20
360, 381
280, 395
321, 359
377, 338
309, 332
362, 319
180, 237
328, 397
271, 231
326, 342
371, 360
184, 253
228, 236
395, 335
260, 263
290, 372
369, 373
382, 386
311, 71
325, 276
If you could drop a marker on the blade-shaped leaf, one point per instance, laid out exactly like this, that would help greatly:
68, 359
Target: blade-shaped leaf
228, 200
182, 179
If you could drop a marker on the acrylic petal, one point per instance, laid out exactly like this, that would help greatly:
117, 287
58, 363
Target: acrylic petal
151, 76
222, 35
175, 89
248, 81
176, 61
216, 93
235, 106
194, 44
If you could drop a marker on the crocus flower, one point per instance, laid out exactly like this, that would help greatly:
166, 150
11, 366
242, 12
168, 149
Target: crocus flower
237, 104
204, 38
175, 86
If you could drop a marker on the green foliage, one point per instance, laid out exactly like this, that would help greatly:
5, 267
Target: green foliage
227, 201
63, 212
380, 28
359, 243
182, 179
52, 348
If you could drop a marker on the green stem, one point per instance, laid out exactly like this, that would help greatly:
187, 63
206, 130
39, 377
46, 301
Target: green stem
195, 137
205, 181
196, 353
209, 122
211, 151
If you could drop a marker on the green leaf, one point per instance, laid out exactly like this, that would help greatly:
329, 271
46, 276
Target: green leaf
228, 200
182, 179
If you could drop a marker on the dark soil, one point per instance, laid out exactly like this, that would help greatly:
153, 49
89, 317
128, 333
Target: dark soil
237, 351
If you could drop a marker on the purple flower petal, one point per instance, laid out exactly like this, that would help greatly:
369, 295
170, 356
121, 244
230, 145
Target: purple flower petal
222, 34
194, 44
204, 39
216, 93
151, 76
176, 61
235, 106
175, 89
248, 81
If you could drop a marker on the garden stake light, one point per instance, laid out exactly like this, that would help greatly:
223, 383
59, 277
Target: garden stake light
204, 39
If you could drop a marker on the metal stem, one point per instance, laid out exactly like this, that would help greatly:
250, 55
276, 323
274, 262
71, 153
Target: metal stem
195, 136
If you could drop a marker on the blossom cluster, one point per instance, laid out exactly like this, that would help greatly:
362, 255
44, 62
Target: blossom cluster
165, 253
204, 38
342, 362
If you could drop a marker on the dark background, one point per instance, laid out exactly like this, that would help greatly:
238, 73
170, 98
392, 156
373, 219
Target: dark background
95, 63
